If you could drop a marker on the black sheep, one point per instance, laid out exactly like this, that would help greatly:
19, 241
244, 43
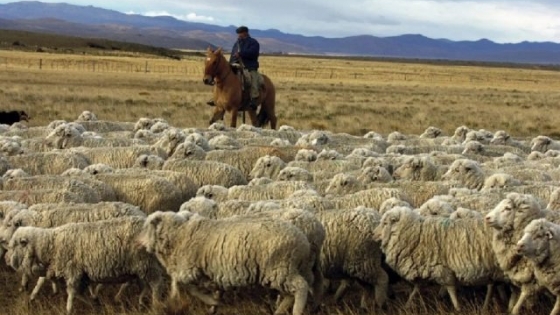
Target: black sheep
13, 116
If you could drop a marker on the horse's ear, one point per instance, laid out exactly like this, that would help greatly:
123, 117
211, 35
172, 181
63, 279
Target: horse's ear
209, 49
218, 51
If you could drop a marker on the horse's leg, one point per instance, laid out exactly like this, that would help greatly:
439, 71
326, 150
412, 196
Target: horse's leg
233, 123
218, 115
253, 117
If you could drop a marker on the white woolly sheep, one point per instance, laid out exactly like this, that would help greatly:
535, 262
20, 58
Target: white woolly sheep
223, 142
188, 150
306, 155
420, 169
464, 213
431, 132
350, 252
391, 203
274, 191
500, 180
540, 244
466, 171
278, 261
87, 116
291, 173
435, 207
544, 143
267, 166
149, 161
214, 192
259, 181
374, 174
508, 219
119, 157
48, 163
425, 248
111, 255
315, 138
207, 172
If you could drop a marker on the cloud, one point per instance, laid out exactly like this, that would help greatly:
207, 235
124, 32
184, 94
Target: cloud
191, 17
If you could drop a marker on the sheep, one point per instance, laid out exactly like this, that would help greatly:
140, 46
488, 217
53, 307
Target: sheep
467, 172
246, 158
306, 155
106, 126
329, 155
309, 200
544, 143
554, 200
170, 139
431, 132
143, 123
540, 244
435, 207
501, 137
371, 198
31, 197
193, 249
90, 195
103, 251
214, 192
500, 180
259, 181
464, 213
374, 174
207, 172
159, 127
149, 192
48, 163
291, 173
14, 173
315, 138
425, 248
199, 140
4, 165
274, 190
391, 203
87, 116
119, 157
277, 142
9, 147
267, 166
419, 168
223, 142
349, 251
188, 150
508, 219
149, 161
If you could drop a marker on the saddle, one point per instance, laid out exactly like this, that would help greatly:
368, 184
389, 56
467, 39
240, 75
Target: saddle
245, 79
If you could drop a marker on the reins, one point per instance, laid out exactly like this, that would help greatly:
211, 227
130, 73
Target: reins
216, 68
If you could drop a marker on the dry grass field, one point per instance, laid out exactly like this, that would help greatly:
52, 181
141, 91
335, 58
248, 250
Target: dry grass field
341, 95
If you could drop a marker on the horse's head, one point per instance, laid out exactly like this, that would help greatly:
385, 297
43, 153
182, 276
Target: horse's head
213, 65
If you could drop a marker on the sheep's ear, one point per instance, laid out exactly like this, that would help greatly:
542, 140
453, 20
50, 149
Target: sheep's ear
155, 221
17, 223
549, 234
23, 241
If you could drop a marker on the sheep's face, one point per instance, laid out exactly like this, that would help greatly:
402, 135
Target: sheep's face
500, 138
212, 192
431, 132
95, 169
294, 174
267, 166
152, 162
329, 155
496, 181
540, 144
306, 155
514, 212
21, 250
461, 170
391, 203
387, 227
13, 221
143, 123
10, 148
158, 231
535, 243
373, 174
342, 183
554, 200
201, 205
409, 169
434, 207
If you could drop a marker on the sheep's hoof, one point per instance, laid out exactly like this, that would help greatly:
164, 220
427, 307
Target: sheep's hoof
212, 310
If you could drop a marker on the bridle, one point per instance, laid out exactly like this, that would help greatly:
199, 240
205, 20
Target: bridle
216, 67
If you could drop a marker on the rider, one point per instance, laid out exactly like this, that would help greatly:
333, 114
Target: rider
246, 49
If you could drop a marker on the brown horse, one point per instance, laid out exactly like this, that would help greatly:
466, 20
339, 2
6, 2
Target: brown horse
229, 95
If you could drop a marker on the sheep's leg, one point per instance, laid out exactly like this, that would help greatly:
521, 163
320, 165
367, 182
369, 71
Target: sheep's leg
556, 309
513, 298
344, 284
415, 291
522, 297
37, 287
24, 283
284, 304
381, 288
174, 294
71, 291
94, 292
123, 287
205, 298
318, 286
488, 297
452, 290
300, 287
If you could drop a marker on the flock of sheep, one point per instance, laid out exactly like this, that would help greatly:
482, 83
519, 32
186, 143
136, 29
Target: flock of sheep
90, 203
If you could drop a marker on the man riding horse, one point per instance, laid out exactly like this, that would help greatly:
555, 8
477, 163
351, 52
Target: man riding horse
245, 52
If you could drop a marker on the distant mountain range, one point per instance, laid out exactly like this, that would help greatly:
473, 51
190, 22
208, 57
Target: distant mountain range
168, 32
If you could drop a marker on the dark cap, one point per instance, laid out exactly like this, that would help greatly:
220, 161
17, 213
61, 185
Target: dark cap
242, 29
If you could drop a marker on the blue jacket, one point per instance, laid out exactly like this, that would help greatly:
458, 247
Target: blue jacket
248, 51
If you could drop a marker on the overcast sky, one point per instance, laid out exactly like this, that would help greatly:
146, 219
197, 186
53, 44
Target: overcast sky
498, 20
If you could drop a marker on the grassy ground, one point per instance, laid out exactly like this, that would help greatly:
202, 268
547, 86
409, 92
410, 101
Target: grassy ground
353, 96
340, 95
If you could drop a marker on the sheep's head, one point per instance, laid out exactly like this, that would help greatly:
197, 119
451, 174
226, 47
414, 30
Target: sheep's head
431, 132
410, 169
473, 147
464, 213
500, 138
10, 148
535, 242
554, 200
158, 231
461, 133
99, 168
342, 184
189, 150
15, 173
87, 116
21, 249
201, 205
391, 203
389, 225
214, 192
540, 143
329, 155
500, 180
143, 123
291, 173
151, 162
467, 172
374, 174
435, 207
514, 212
306, 155
267, 166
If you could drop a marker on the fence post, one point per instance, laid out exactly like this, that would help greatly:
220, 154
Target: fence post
146, 69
